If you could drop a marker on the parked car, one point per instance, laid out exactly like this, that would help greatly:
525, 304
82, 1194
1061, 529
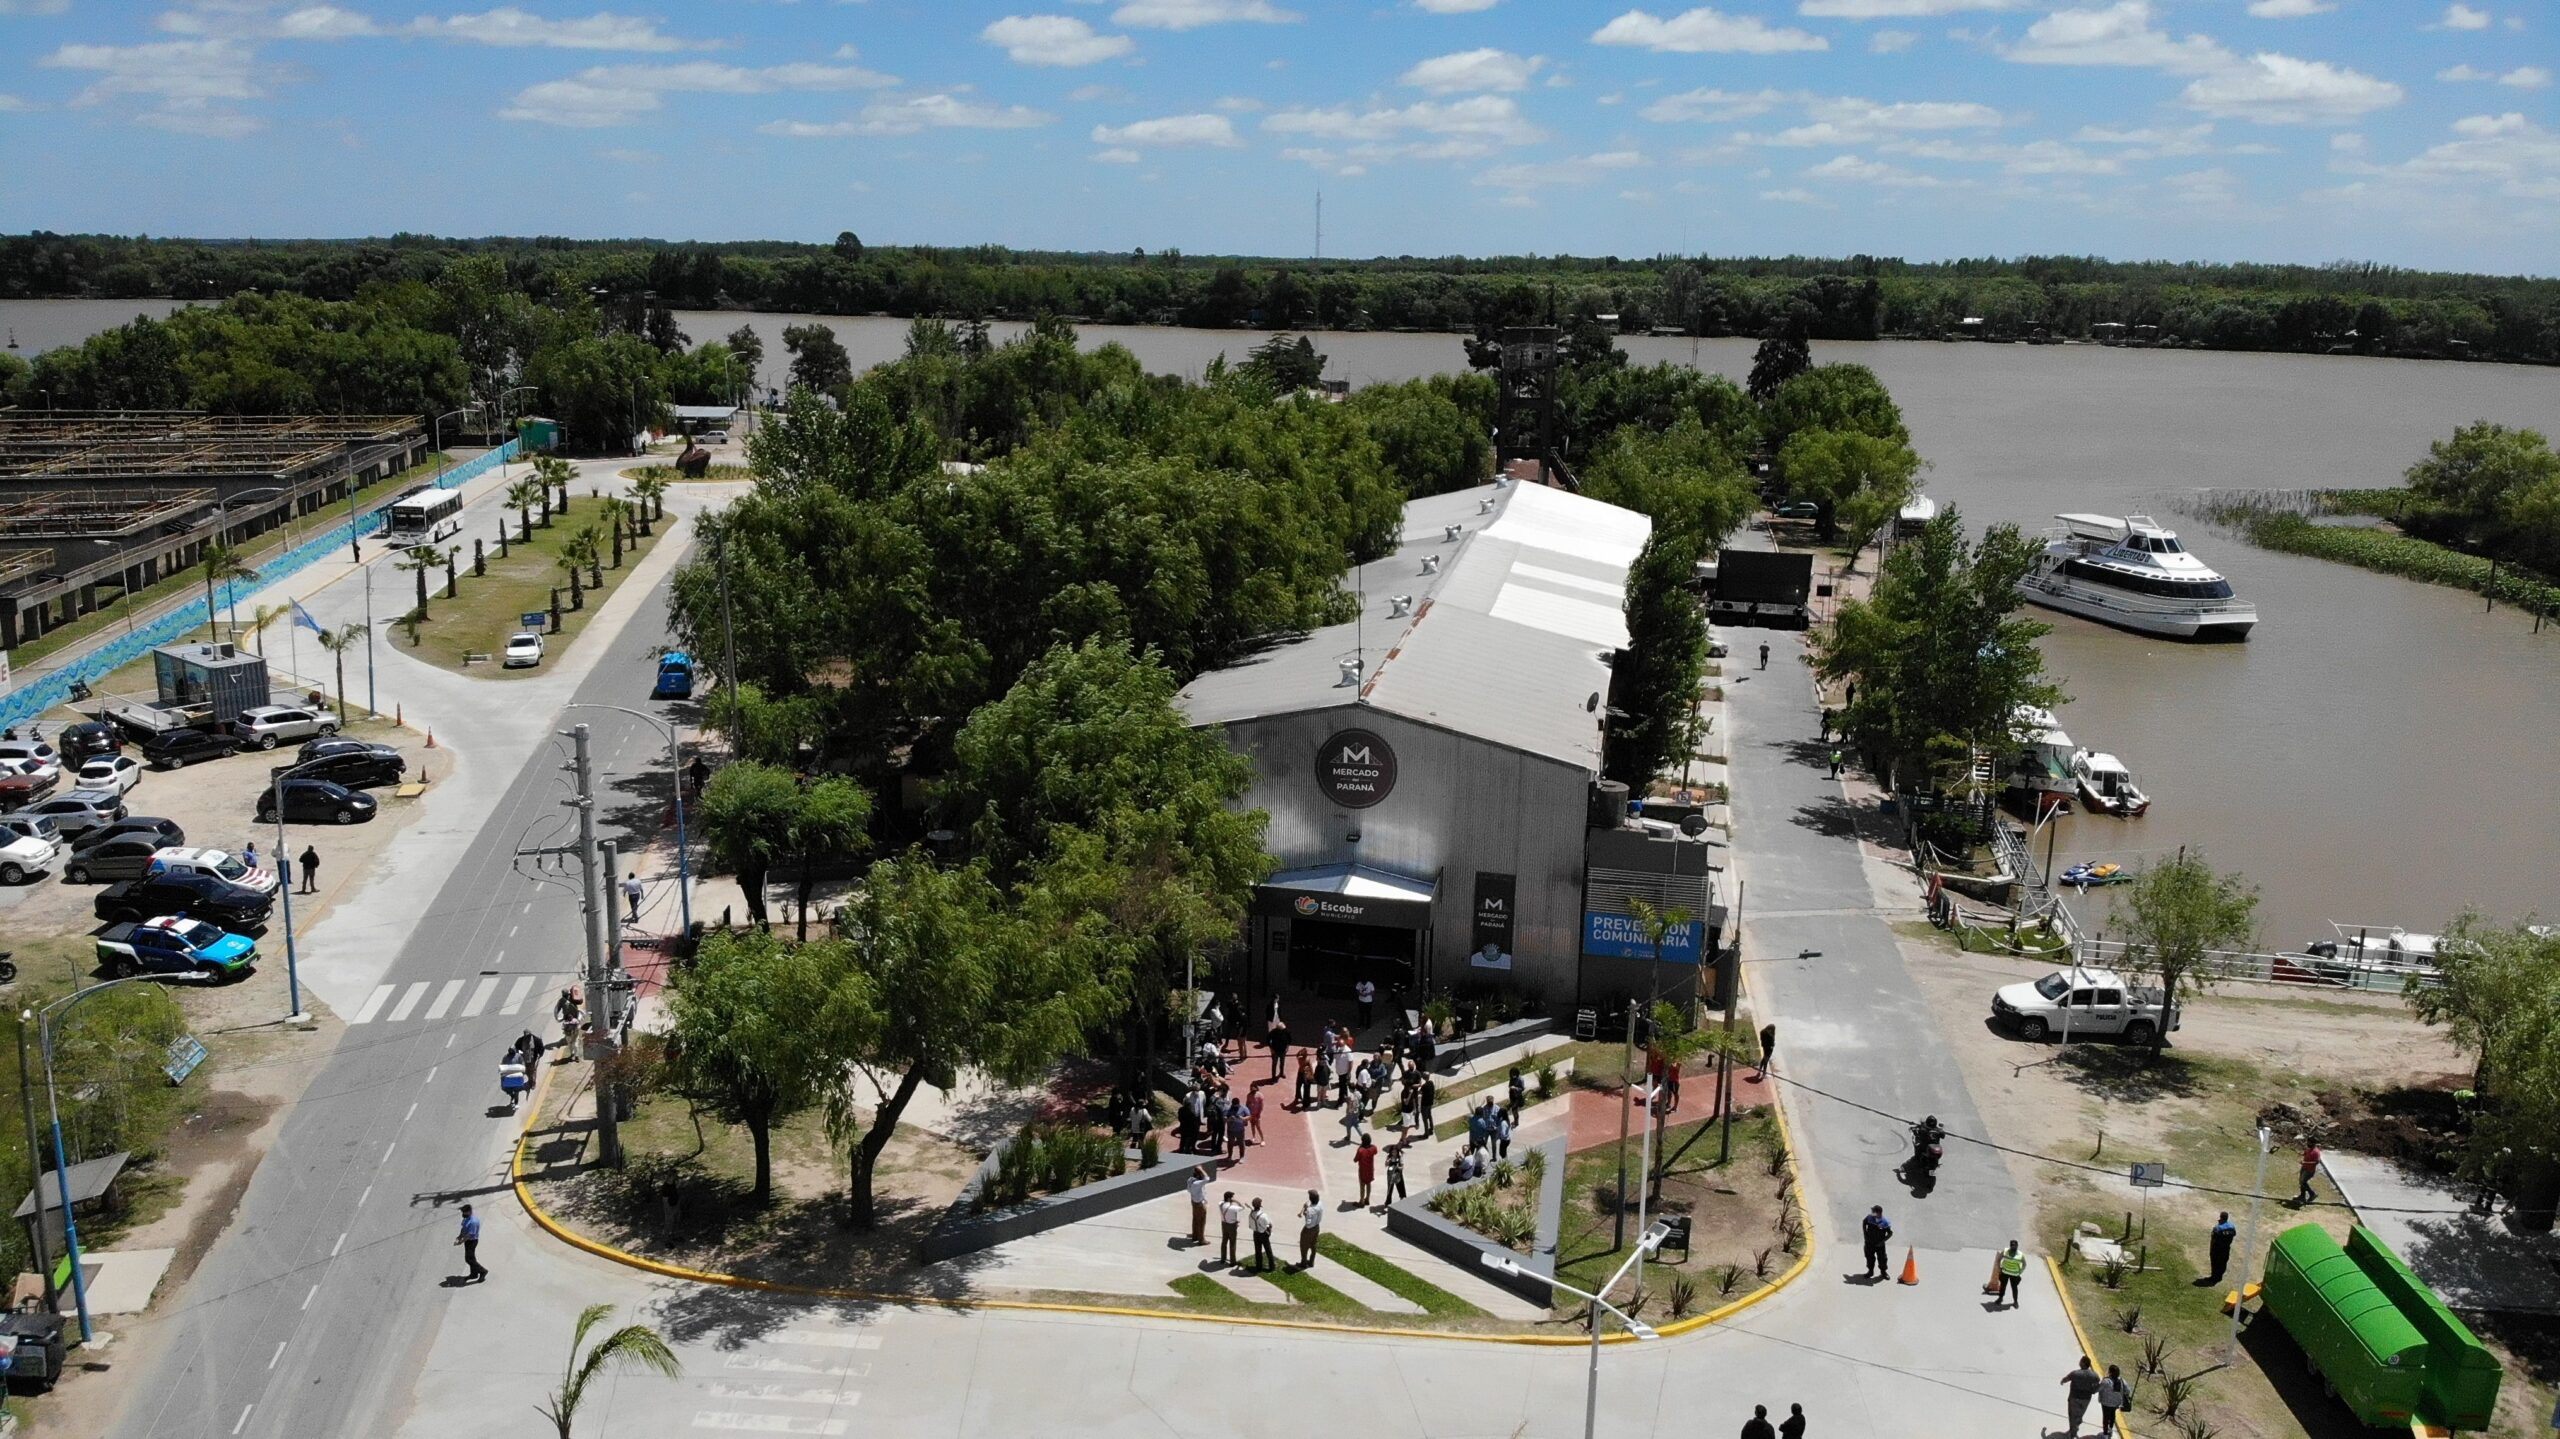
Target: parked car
24, 781
315, 801
524, 648
175, 944
1797, 510
116, 772
356, 769
122, 856
713, 437
163, 832
34, 749
178, 748
24, 856
199, 895
81, 810
267, 725
88, 738
2098, 1002
32, 826
222, 864
339, 744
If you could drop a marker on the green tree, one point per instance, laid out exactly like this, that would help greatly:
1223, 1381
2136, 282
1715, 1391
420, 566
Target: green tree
522, 494
1683, 477
420, 560
1942, 661
1654, 683
603, 390
2180, 912
748, 346
2490, 982
222, 564
830, 820
337, 642
746, 822
651, 492
632, 1345
1287, 363
1427, 441
1779, 359
1834, 397
1859, 481
2493, 488
818, 359
747, 1041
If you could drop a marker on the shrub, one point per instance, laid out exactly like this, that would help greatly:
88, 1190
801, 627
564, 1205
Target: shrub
1684, 1295
1504, 1172
1516, 1227
2130, 1319
1547, 1079
2112, 1275
1760, 1263
1150, 1153
2174, 1393
1729, 1279
2155, 1355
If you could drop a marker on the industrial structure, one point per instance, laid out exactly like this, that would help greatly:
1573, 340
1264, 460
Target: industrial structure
98, 504
1432, 772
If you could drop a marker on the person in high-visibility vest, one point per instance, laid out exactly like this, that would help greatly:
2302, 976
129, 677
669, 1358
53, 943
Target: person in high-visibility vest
2013, 1267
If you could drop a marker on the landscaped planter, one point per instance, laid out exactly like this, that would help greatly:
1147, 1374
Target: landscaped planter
1411, 1219
964, 1230
1453, 1053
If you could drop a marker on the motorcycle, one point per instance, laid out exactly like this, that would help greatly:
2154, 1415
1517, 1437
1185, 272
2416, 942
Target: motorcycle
1928, 1147
8, 968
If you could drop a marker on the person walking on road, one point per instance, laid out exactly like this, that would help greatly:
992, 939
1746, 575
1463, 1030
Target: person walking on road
1198, 1184
310, 869
1758, 1425
1835, 762
2219, 1245
1792, 1427
632, 889
469, 1239
2310, 1171
1263, 1259
1230, 1214
1310, 1229
2013, 1268
2115, 1397
2079, 1387
1874, 1233
1768, 1050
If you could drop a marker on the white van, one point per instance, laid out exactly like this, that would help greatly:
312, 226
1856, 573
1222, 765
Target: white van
220, 863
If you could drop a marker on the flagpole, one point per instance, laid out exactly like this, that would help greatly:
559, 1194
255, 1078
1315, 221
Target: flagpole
293, 627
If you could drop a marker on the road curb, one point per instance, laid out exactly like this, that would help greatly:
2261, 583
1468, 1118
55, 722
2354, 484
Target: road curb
551, 1225
2062, 1292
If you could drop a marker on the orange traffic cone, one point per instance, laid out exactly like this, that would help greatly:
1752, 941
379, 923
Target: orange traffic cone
431, 736
1993, 1286
1910, 1266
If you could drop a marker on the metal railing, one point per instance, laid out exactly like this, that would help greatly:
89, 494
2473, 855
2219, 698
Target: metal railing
2310, 970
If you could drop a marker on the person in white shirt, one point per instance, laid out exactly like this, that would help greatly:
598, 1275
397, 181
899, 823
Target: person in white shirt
1230, 1214
1310, 1228
1263, 1258
1198, 1185
1367, 994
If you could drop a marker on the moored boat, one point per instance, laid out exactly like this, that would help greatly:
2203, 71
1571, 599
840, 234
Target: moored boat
2106, 786
2131, 573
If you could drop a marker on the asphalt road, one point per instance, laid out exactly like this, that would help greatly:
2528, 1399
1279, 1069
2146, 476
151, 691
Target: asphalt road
314, 1313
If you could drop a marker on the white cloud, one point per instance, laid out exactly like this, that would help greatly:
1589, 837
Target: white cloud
1453, 7
629, 157
1117, 157
912, 114
2035, 157
34, 7
1426, 129
505, 26
604, 95
1054, 40
1088, 94
1576, 171
1239, 104
16, 105
1874, 172
188, 86
1798, 197
2281, 90
1168, 130
1715, 105
2289, 9
2120, 34
514, 28
1473, 70
1896, 9
2523, 77
2347, 142
1705, 31
1890, 42
2213, 189
1192, 14
2463, 17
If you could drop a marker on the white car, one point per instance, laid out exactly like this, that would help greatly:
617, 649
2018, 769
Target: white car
25, 856
2084, 1002
268, 724
115, 772
220, 863
713, 437
524, 648
30, 749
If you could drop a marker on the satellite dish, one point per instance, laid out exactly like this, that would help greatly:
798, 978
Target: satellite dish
1694, 825
1592, 704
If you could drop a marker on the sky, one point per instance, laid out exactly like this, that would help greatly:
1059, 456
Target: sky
2396, 131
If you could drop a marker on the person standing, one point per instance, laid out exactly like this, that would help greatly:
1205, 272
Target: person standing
632, 889
2310, 1171
1306, 1078
1342, 1062
2219, 1245
1768, 1050
1236, 1119
1310, 1229
1263, 1258
469, 1239
1185, 1125
1277, 1037
1365, 1160
1198, 1184
1835, 762
1764, 654
2079, 1387
1351, 1121
1253, 1116
1428, 1094
1230, 1214
2013, 1268
1792, 1427
1519, 1090
2115, 1397
1758, 1425
249, 854
1367, 994
1874, 1233
310, 869
1395, 1170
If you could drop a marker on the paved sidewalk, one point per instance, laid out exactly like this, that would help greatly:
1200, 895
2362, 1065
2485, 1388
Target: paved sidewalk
2473, 1261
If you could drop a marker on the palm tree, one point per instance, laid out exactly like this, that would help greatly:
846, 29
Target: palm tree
337, 642
417, 560
616, 510
222, 564
652, 492
570, 559
632, 1344
522, 494
589, 539
263, 616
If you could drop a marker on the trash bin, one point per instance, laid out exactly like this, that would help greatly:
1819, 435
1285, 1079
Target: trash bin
1675, 1236
35, 1355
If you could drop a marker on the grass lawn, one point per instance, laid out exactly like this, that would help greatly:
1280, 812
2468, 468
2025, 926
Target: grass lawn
715, 474
487, 608
1402, 1283
111, 614
1735, 1245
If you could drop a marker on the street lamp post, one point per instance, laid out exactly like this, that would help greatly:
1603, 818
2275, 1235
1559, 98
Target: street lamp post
1651, 1241
2249, 1243
675, 771
284, 888
44, 1020
502, 424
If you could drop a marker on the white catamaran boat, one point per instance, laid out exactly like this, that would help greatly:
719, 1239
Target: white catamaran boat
2131, 572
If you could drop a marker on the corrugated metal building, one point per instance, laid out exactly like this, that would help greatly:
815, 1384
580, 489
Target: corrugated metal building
1429, 768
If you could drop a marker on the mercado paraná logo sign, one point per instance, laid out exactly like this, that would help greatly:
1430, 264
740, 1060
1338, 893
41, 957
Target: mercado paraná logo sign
1355, 769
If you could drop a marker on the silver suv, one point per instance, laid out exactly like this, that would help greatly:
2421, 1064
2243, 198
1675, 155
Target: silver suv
267, 725
80, 811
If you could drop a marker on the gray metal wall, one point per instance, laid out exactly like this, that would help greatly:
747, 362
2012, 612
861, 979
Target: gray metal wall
1459, 806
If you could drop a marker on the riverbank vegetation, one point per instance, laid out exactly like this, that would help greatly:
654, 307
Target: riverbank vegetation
2344, 307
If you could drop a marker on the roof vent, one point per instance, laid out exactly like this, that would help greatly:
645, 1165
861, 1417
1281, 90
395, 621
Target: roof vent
1431, 564
1485, 505
1449, 533
1399, 605
1350, 671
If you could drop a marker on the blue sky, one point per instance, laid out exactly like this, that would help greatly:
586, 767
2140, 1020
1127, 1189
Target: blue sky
2410, 133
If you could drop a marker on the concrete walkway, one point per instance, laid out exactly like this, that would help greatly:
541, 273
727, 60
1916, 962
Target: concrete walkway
2472, 1261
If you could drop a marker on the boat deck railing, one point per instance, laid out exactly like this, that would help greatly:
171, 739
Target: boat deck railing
2309, 970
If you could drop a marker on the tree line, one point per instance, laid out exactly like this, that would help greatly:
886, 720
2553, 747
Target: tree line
2343, 307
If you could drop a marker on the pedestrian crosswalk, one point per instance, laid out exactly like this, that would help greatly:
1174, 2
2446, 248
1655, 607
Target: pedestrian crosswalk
395, 1003
803, 1389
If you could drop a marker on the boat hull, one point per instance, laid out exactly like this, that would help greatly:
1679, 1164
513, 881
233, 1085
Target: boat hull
2130, 613
2097, 803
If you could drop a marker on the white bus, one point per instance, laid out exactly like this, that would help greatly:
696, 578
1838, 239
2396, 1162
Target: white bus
422, 517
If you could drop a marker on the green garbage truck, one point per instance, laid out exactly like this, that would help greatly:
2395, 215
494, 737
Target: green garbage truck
2378, 1337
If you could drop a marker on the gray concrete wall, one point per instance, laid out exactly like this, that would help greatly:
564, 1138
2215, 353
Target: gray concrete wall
1412, 1220
963, 1230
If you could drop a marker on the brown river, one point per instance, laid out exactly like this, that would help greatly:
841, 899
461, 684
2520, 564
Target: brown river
2378, 752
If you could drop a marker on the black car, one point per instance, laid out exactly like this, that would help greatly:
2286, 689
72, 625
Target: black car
202, 896
162, 832
178, 748
356, 769
87, 741
328, 745
315, 801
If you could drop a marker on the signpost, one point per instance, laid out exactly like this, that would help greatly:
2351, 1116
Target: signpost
2148, 1176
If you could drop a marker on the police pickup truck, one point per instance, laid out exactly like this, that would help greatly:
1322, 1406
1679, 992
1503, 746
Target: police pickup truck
2083, 1003
176, 945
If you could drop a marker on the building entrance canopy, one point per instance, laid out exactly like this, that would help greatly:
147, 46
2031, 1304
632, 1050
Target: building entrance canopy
1348, 894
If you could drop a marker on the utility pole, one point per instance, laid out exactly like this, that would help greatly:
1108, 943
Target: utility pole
609, 1042
1731, 962
728, 635
585, 805
1626, 1088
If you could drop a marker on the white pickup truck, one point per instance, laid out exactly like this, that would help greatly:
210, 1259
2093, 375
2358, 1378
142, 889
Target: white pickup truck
2081, 1002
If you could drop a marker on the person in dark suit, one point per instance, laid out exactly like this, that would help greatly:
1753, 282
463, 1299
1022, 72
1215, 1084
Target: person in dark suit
1758, 1425
2219, 1246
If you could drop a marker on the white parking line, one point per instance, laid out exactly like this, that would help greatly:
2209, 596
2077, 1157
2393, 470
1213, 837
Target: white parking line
373, 1006
444, 999
827, 1339
765, 1423
480, 997
780, 1394
766, 1365
334, 1248
307, 1298
243, 1421
516, 993
408, 1004
279, 1354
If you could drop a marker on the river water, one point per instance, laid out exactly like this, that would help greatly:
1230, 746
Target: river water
2378, 752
